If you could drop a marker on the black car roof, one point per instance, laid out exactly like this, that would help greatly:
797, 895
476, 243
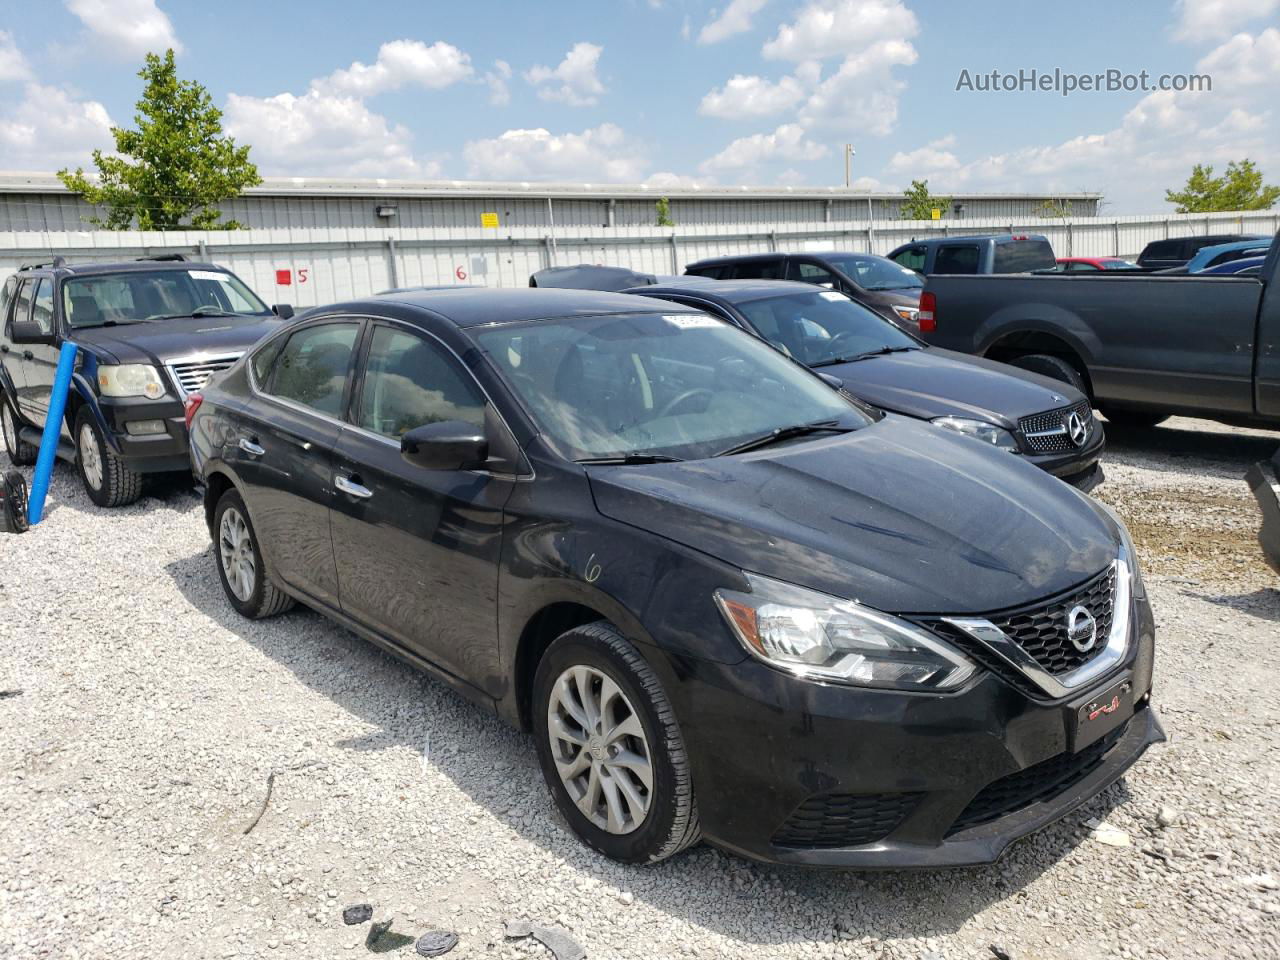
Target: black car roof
475, 306
128, 266
731, 291
736, 258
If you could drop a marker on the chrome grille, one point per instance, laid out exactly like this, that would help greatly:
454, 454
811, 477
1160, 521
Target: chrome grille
191, 374
1047, 432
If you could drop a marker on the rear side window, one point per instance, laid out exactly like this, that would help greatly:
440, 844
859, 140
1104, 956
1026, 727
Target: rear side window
22, 309
961, 258
912, 258
756, 270
410, 382
6, 295
812, 273
715, 272
1021, 256
1163, 250
313, 367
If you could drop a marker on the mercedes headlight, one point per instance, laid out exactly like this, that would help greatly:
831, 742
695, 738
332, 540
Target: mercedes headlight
821, 637
910, 314
130, 380
980, 430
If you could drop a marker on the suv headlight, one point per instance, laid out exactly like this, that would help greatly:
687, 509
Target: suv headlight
820, 637
130, 380
981, 430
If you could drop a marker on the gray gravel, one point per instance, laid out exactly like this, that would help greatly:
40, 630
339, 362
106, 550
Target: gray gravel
151, 717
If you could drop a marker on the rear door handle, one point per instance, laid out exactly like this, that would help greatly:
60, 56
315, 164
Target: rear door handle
349, 486
251, 448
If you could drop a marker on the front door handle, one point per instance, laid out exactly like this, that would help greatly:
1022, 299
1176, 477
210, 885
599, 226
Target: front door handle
349, 486
251, 448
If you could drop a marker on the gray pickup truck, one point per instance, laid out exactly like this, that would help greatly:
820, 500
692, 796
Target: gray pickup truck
1143, 346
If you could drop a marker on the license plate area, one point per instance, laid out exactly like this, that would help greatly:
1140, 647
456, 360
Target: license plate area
1101, 712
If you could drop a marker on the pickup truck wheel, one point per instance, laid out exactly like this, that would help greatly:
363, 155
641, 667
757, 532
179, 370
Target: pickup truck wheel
239, 560
106, 479
1053, 367
610, 747
1137, 419
21, 453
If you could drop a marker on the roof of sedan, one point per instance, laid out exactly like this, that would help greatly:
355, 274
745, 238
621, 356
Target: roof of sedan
473, 306
732, 291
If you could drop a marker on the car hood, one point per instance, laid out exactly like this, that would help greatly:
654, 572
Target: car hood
932, 383
163, 341
902, 516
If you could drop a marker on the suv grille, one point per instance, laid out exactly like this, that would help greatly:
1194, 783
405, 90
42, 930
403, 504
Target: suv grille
1048, 433
845, 820
1036, 783
1041, 630
192, 375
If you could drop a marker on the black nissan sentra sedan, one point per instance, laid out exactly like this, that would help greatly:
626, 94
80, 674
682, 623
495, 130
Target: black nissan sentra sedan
730, 602
1043, 421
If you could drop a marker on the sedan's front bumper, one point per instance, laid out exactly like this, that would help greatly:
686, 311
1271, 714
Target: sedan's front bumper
776, 758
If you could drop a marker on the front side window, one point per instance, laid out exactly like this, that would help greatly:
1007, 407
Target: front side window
813, 273
823, 327
22, 308
148, 295
313, 367
683, 385
962, 258
42, 311
410, 382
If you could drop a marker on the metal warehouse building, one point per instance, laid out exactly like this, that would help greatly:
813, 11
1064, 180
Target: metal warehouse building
39, 202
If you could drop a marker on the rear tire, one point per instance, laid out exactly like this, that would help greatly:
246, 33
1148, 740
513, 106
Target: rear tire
1134, 419
106, 479
239, 561
21, 453
595, 673
1053, 367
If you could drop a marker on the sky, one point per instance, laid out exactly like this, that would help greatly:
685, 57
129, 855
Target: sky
670, 92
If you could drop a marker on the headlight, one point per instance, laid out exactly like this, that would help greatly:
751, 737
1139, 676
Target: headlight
910, 314
981, 430
1128, 552
130, 380
825, 638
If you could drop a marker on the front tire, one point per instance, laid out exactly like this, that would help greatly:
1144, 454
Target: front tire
106, 479
239, 561
1134, 419
610, 748
21, 453
1053, 367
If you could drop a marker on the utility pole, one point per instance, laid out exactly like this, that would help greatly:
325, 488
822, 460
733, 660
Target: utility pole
848, 163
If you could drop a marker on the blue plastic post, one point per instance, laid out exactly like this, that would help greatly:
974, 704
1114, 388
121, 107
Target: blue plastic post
52, 433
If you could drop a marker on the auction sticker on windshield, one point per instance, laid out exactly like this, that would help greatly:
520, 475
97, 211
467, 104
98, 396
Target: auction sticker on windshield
690, 321
832, 295
210, 275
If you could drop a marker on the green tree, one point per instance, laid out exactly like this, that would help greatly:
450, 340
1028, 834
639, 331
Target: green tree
1239, 188
177, 166
1060, 209
664, 213
918, 203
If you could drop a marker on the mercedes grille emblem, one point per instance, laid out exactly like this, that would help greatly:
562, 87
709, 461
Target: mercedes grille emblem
1076, 429
1082, 629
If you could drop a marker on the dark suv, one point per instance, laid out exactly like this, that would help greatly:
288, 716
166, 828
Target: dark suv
149, 333
1178, 251
729, 601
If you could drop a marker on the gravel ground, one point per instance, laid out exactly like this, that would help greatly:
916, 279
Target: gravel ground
148, 720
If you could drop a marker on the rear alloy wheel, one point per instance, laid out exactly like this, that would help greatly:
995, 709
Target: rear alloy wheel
21, 453
106, 479
240, 566
610, 748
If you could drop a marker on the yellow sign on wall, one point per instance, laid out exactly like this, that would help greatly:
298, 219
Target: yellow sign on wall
937, 214
491, 220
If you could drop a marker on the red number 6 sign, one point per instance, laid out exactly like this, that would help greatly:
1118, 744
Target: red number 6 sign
460, 273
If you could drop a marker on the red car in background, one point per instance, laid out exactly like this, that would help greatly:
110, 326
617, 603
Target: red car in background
1091, 264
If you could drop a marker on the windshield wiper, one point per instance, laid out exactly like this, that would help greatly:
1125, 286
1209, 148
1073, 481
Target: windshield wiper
786, 433
105, 323
630, 459
853, 358
194, 314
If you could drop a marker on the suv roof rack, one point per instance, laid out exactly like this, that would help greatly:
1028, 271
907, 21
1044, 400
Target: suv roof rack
164, 257
56, 262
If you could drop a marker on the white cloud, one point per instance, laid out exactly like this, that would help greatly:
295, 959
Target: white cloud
1244, 61
602, 153
665, 180
932, 156
499, 92
828, 28
13, 65
863, 93
735, 18
745, 96
49, 129
574, 81
747, 154
128, 28
321, 135
1200, 20
400, 63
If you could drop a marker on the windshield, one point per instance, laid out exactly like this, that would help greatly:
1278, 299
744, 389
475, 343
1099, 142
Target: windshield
137, 296
875, 273
675, 385
823, 327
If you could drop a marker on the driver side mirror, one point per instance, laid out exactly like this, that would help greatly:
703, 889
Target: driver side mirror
28, 331
447, 445
283, 310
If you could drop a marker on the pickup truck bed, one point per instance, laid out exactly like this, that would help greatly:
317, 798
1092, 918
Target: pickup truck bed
1143, 346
